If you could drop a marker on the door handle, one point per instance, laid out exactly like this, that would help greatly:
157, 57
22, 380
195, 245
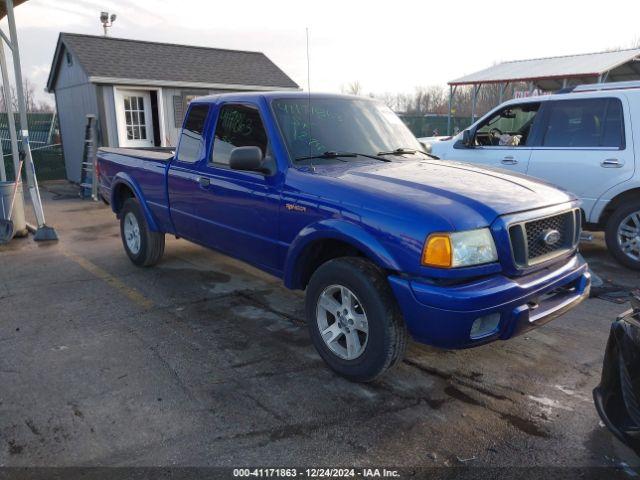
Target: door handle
204, 181
611, 163
509, 160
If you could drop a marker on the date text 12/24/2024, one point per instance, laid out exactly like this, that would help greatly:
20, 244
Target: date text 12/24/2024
316, 472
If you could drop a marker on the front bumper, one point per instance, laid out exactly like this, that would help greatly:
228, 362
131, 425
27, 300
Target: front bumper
443, 316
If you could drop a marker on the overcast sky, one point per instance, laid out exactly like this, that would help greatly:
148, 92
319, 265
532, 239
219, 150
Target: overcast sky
388, 46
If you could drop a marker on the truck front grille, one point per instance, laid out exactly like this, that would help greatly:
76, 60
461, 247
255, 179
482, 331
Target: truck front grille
539, 240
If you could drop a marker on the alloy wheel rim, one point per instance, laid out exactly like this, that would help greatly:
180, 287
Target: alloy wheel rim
342, 322
132, 233
628, 235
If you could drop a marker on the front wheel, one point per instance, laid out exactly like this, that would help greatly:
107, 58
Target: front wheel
144, 247
353, 319
623, 234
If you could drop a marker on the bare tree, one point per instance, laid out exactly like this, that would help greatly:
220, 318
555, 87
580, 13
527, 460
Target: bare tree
32, 104
422, 101
428, 100
633, 43
389, 99
353, 88
43, 107
29, 94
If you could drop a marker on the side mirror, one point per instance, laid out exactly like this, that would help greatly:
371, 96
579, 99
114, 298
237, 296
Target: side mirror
248, 159
426, 147
467, 138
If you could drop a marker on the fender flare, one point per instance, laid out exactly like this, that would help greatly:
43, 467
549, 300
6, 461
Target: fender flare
122, 178
334, 229
602, 203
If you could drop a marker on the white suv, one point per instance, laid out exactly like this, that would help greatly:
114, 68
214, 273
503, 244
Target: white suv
585, 141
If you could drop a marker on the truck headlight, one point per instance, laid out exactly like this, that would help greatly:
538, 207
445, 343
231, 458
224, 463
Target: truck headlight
459, 249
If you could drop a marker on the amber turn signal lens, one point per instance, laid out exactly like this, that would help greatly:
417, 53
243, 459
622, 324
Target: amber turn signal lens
437, 251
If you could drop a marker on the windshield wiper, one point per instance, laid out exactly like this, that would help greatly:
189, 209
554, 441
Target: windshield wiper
407, 151
331, 154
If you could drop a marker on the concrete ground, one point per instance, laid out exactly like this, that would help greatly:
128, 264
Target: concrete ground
205, 361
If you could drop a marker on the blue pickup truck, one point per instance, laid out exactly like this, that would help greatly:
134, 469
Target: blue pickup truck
333, 195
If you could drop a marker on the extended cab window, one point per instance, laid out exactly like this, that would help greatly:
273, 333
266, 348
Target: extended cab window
191, 144
594, 122
238, 126
510, 126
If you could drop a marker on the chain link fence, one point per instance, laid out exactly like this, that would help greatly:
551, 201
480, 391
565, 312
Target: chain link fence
434, 125
44, 138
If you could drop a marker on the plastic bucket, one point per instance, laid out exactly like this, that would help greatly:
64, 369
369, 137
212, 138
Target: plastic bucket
6, 193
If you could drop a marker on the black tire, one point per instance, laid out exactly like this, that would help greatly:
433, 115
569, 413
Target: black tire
151, 243
611, 233
387, 334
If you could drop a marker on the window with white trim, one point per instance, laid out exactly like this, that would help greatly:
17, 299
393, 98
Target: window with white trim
134, 117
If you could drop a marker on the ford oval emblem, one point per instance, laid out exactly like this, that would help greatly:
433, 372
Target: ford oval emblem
551, 237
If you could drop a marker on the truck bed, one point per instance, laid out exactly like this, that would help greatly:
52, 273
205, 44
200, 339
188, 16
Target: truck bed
146, 167
164, 154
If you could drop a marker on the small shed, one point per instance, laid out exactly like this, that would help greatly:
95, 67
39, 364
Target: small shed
139, 90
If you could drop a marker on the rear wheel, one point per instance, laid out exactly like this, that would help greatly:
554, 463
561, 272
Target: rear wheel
353, 319
623, 234
144, 247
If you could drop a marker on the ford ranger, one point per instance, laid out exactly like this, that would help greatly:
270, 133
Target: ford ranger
333, 195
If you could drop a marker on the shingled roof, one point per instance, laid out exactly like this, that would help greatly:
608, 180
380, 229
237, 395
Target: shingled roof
119, 60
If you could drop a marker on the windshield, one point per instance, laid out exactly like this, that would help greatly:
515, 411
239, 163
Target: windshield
340, 125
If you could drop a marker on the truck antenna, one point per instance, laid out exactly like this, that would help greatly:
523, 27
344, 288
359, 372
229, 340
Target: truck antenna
308, 64
309, 96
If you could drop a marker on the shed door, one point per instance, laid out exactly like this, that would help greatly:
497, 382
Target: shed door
135, 124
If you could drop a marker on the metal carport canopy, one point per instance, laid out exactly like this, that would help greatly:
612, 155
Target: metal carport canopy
549, 73
43, 232
3, 7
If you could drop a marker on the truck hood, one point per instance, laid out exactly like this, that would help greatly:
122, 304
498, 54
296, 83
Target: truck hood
450, 189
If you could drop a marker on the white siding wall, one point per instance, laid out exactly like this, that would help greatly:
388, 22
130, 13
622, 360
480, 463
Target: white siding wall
109, 120
170, 131
168, 94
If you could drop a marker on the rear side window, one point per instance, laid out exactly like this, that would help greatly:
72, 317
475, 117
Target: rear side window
238, 126
585, 123
191, 145
613, 130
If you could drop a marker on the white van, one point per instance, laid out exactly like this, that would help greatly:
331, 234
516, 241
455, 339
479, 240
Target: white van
585, 141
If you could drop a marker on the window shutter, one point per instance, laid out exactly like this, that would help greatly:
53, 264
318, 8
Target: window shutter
178, 111
181, 104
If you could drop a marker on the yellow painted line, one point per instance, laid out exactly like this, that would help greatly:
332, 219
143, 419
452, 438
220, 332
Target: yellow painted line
130, 292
